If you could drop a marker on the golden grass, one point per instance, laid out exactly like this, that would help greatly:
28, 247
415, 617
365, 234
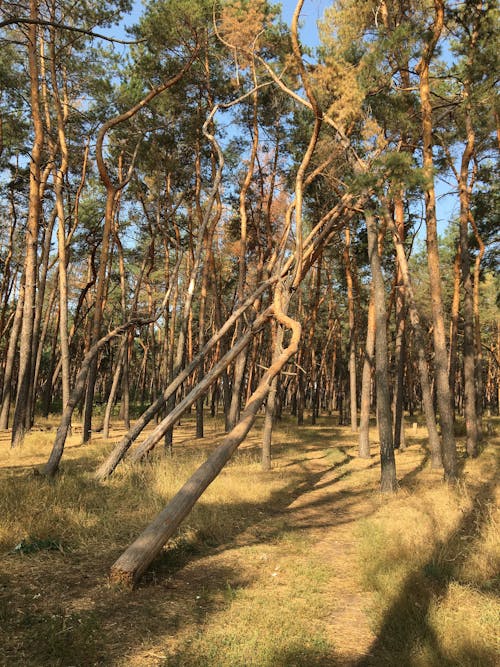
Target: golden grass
431, 556
251, 578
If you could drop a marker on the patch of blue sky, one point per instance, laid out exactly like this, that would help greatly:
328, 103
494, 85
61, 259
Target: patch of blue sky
312, 12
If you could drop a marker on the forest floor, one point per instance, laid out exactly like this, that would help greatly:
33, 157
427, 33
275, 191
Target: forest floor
307, 565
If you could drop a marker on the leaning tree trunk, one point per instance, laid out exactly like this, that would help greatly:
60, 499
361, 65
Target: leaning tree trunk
199, 389
76, 395
137, 557
109, 465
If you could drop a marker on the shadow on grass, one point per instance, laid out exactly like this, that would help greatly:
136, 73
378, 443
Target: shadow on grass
410, 480
291, 656
116, 624
406, 627
58, 609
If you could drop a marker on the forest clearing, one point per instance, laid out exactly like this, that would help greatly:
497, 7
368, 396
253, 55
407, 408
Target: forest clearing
249, 332
303, 565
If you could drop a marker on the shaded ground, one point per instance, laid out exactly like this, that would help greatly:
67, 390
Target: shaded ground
293, 558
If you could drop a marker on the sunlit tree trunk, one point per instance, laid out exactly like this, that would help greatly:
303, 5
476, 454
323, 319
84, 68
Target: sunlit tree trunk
468, 300
22, 412
399, 347
352, 331
439, 336
270, 415
423, 369
455, 310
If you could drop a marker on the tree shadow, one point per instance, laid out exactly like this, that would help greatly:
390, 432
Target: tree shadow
58, 607
115, 624
410, 479
291, 656
406, 626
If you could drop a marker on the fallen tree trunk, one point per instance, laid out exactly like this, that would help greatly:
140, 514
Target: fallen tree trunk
134, 561
108, 466
199, 390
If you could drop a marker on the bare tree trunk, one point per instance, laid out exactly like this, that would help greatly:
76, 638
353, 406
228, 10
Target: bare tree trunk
366, 382
477, 329
352, 332
59, 175
22, 414
388, 481
52, 464
114, 389
423, 369
399, 348
51, 373
455, 309
471, 421
136, 559
439, 336
10, 358
267, 431
240, 363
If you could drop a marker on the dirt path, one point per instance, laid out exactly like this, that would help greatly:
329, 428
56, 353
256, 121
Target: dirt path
284, 588
324, 515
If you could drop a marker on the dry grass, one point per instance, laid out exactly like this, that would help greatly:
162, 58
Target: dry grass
431, 556
254, 577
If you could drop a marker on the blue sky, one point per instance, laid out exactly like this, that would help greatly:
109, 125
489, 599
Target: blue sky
312, 11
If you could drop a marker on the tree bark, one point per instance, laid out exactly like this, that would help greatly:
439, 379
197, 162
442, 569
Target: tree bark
439, 336
366, 382
22, 414
352, 332
137, 557
267, 431
388, 481
399, 347
423, 368
455, 310
10, 358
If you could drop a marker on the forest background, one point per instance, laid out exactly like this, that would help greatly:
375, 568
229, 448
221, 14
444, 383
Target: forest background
221, 219
206, 214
